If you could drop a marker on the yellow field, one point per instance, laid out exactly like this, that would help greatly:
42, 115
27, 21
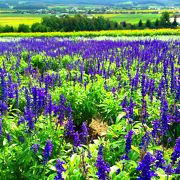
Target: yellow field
15, 21
113, 33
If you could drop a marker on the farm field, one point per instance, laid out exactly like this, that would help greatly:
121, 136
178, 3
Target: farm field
130, 18
29, 19
16, 19
108, 33
89, 109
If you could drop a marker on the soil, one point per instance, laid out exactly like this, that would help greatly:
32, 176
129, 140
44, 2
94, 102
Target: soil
97, 128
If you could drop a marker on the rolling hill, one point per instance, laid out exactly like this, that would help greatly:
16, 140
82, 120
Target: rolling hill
123, 3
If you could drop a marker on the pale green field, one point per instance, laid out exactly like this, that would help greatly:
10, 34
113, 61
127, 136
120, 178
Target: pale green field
130, 18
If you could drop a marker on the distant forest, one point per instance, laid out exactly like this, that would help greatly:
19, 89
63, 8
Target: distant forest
83, 23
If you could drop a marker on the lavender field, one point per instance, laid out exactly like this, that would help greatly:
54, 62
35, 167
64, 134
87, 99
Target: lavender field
53, 90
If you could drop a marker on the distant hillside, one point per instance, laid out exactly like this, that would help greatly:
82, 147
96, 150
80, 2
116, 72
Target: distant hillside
123, 3
163, 2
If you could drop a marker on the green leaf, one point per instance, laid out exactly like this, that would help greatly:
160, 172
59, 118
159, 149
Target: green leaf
120, 116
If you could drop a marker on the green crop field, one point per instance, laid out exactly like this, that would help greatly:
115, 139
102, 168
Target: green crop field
29, 19
130, 18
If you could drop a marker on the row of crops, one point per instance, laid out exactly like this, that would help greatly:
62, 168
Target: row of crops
51, 90
112, 33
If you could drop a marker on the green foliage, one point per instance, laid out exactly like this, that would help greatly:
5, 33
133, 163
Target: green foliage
140, 24
38, 62
8, 28
165, 20
38, 27
23, 28
148, 23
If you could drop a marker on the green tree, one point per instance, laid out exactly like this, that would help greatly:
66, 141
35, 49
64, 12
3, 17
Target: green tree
148, 24
38, 27
23, 28
124, 24
8, 28
140, 24
156, 24
165, 20
116, 25
52, 22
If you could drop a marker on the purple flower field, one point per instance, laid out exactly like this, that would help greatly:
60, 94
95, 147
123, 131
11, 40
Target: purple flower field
51, 90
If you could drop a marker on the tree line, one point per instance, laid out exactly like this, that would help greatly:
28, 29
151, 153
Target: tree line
84, 23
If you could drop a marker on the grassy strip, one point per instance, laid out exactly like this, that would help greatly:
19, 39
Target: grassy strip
113, 33
130, 18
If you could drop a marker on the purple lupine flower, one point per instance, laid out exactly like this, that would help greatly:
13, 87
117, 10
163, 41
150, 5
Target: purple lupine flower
131, 110
47, 151
84, 133
103, 168
17, 96
164, 117
143, 87
11, 91
100, 150
177, 98
144, 113
145, 142
69, 111
21, 120
128, 143
151, 89
49, 107
28, 115
176, 154
9, 138
35, 148
145, 167
60, 169
160, 88
176, 115
62, 100
62, 108
18, 62
3, 88
128, 109
69, 128
172, 86
41, 98
21, 139
124, 103
28, 100
177, 170
34, 93
156, 128
135, 81
3, 107
168, 169
47, 83
159, 159
76, 139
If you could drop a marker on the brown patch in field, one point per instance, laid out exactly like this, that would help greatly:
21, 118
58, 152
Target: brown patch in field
98, 128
